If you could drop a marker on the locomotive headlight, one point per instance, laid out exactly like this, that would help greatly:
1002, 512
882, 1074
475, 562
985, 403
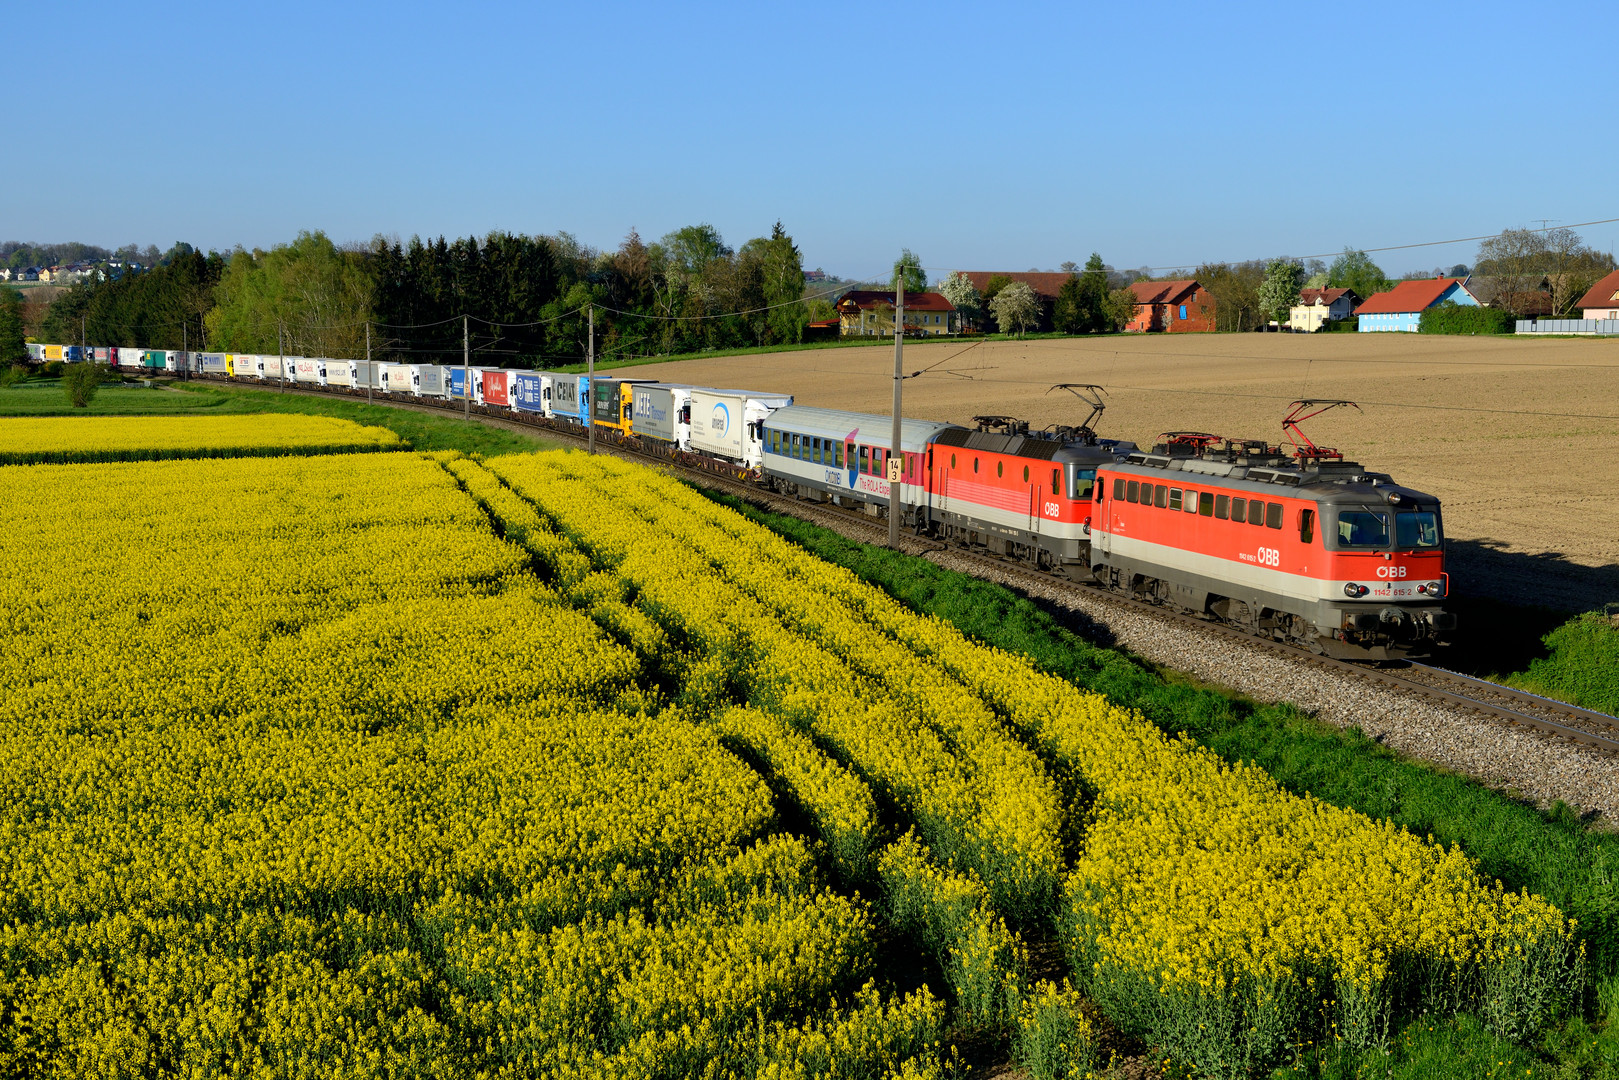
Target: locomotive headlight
1355, 592
1436, 589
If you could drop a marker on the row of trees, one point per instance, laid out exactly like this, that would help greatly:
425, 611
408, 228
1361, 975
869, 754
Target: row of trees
526, 296
1521, 263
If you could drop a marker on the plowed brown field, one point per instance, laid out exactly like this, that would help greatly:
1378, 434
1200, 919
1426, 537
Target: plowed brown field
1519, 438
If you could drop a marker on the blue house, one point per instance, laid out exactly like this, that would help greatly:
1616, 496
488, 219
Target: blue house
1401, 307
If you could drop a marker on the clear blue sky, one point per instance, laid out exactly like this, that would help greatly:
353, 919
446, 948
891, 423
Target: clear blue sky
981, 136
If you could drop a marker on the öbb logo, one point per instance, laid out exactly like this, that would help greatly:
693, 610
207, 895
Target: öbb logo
1391, 572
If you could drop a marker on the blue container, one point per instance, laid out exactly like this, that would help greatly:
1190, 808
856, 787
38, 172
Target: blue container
458, 382
525, 391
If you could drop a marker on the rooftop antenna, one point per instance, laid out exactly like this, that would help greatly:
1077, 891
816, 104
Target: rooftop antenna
1303, 448
1092, 395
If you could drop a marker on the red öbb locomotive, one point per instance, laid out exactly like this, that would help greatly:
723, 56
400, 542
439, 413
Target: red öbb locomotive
1300, 546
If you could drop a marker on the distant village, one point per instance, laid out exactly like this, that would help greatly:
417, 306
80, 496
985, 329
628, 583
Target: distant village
1187, 306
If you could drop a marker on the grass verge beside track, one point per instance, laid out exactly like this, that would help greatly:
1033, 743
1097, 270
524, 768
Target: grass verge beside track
1552, 853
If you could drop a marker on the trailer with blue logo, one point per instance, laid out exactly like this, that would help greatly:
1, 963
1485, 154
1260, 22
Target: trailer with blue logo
730, 423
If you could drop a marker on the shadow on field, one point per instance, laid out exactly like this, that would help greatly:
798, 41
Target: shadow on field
1506, 601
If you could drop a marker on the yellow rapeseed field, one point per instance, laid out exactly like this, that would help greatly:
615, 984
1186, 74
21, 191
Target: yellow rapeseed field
137, 438
396, 763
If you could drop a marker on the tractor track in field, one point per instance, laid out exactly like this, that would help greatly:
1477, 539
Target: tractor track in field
1532, 747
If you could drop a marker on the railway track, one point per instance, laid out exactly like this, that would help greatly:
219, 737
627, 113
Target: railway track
1593, 731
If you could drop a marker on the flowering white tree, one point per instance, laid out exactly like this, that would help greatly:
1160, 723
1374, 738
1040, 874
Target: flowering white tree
1016, 308
958, 289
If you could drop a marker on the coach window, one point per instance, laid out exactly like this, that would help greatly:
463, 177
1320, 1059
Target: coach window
1222, 506
865, 462
797, 447
837, 454
1205, 504
1306, 526
1174, 498
878, 457
815, 450
1238, 506
1118, 487
1025, 474
1160, 496
1134, 494
1273, 515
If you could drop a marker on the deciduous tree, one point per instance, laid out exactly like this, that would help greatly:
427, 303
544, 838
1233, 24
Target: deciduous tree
958, 289
1016, 308
908, 269
1355, 270
1280, 290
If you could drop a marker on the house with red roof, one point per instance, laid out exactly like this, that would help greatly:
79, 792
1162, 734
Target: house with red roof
1601, 301
1400, 309
1317, 307
861, 312
1172, 307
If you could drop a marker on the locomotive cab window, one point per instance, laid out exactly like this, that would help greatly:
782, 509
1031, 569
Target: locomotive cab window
1363, 528
1306, 526
1084, 481
1056, 481
1416, 529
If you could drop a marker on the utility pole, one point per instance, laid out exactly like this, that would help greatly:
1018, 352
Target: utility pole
590, 380
281, 349
466, 370
370, 372
896, 455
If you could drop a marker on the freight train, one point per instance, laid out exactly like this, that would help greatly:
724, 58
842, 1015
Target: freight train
1294, 544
